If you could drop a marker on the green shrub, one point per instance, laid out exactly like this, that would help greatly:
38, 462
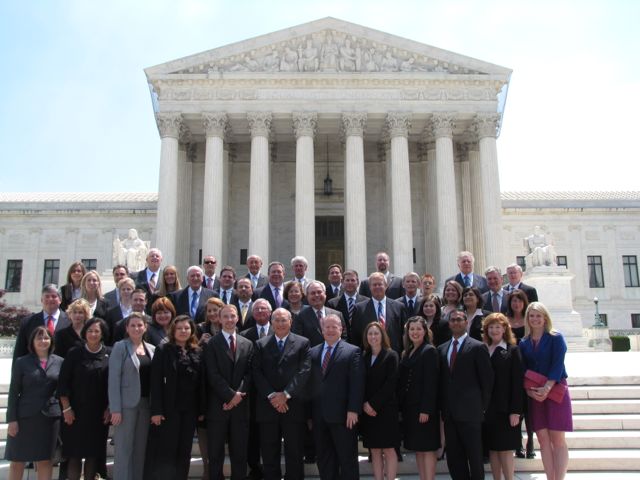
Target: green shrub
620, 344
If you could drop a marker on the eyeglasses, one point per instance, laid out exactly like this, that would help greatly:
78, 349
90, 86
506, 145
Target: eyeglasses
209, 262
457, 319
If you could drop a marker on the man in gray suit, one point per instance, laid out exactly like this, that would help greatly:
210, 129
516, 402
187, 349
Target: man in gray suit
496, 299
254, 265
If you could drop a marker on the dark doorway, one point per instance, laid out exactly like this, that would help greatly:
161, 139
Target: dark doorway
329, 244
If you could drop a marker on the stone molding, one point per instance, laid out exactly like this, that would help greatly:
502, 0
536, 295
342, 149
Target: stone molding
169, 124
354, 124
486, 124
398, 124
215, 124
442, 124
259, 123
305, 124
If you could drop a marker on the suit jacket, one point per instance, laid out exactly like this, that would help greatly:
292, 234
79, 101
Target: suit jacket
279, 372
394, 287
66, 296
508, 393
29, 324
252, 333
487, 304
226, 374
478, 281
416, 305
395, 318
124, 376
216, 282
547, 358
419, 378
266, 293
141, 280
111, 298
249, 321
32, 388
308, 325
340, 303
262, 280
119, 329
330, 293
163, 396
529, 291
341, 388
101, 309
465, 392
233, 298
182, 301
381, 380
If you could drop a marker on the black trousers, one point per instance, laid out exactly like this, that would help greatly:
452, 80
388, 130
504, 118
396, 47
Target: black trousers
336, 451
464, 449
169, 447
271, 434
237, 431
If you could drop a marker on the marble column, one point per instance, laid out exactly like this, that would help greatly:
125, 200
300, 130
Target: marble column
432, 260
486, 126
169, 126
259, 183
477, 208
447, 212
213, 231
183, 242
467, 202
398, 125
355, 208
304, 128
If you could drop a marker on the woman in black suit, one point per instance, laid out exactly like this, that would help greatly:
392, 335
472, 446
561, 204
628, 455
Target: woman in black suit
175, 402
67, 338
91, 291
379, 422
83, 394
501, 432
70, 291
162, 314
472, 301
431, 310
33, 412
417, 394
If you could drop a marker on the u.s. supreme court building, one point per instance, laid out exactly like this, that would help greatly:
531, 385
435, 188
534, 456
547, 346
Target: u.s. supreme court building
333, 141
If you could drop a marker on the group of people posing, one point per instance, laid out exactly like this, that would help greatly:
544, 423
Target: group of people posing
260, 363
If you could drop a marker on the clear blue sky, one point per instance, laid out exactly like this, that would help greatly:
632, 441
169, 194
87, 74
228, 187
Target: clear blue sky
75, 111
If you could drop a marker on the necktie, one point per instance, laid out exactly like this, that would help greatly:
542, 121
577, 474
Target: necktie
380, 314
319, 315
325, 360
454, 354
225, 298
152, 283
467, 281
351, 308
254, 281
194, 304
495, 304
209, 283
232, 344
244, 312
280, 345
262, 334
276, 297
336, 290
50, 325
410, 302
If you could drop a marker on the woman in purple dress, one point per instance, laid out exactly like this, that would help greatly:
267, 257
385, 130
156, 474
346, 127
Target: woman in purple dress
543, 350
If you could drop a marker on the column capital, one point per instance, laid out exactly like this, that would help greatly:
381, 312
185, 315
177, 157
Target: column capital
259, 123
354, 123
442, 124
169, 124
486, 124
215, 123
398, 124
305, 124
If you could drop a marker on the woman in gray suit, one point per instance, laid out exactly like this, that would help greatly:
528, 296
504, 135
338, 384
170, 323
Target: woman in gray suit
129, 386
33, 412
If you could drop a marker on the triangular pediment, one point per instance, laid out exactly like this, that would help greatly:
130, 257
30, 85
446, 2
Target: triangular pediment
327, 46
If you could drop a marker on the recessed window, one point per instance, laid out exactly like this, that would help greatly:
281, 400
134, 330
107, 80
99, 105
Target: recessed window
635, 320
596, 275
630, 268
51, 271
90, 263
561, 261
522, 262
14, 276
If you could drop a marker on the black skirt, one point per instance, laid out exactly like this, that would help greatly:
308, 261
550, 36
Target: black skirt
36, 439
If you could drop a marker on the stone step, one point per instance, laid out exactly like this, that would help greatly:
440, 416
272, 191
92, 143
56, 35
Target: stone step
605, 406
590, 392
601, 439
606, 422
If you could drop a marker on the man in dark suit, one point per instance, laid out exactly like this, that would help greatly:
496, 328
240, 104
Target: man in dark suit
496, 299
465, 277
334, 281
50, 317
138, 302
466, 381
148, 279
254, 264
192, 300
514, 274
209, 279
281, 369
380, 308
227, 281
346, 303
394, 284
227, 360
260, 329
244, 304
411, 299
337, 385
273, 290
113, 297
308, 322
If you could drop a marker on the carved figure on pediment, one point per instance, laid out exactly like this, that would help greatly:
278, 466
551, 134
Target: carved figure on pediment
238, 67
407, 65
271, 62
540, 249
308, 58
130, 251
348, 57
329, 54
369, 60
389, 63
289, 61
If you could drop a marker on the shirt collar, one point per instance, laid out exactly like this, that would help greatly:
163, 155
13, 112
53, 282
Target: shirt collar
461, 339
192, 291
227, 335
284, 339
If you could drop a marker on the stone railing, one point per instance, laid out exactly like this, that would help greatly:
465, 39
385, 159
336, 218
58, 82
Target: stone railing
6, 347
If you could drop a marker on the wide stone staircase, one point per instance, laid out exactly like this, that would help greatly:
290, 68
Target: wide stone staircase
606, 436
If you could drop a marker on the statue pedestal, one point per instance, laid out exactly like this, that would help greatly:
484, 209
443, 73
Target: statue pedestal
598, 337
554, 291
108, 284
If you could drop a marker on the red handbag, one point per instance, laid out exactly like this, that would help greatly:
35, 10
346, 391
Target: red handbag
535, 380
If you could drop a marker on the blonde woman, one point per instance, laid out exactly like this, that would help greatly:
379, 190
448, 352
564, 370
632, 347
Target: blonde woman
91, 291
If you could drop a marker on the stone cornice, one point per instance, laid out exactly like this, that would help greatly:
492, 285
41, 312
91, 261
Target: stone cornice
305, 124
169, 124
259, 123
215, 123
353, 124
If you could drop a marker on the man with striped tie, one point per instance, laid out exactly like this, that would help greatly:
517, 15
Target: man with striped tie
346, 303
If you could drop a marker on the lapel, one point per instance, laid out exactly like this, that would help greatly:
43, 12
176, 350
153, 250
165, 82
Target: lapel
314, 320
334, 355
222, 342
132, 354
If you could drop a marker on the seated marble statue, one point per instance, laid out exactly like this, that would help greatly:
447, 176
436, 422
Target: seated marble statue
130, 251
540, 249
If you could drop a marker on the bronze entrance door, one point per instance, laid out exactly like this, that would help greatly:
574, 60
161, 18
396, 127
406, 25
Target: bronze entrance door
329, 244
